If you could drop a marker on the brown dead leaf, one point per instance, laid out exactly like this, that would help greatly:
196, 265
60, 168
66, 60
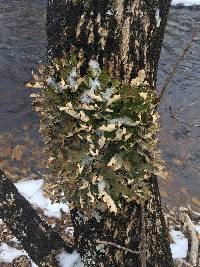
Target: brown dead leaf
18, 152
5, 151
177, 162
196, 201
4, 164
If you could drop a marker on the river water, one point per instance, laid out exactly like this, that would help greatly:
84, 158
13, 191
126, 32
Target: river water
23, 47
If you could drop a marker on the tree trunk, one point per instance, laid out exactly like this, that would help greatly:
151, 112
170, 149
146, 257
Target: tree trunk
124, 37
38, 239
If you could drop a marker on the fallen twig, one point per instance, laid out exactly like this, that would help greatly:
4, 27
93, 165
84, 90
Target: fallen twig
190, 231
178, 61
119, 247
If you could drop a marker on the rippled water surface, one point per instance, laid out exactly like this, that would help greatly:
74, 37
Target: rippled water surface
23, 47
181, 143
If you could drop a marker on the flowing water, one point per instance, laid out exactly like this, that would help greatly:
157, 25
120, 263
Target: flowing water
180, 142
23, 47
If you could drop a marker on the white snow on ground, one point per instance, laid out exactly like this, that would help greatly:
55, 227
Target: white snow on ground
69, 260
186, 2
180, 246
32, 191
198, 228
8, 254
179, 250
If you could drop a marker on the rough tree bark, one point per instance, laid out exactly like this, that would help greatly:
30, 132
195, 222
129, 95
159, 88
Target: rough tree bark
124, 36
38, 239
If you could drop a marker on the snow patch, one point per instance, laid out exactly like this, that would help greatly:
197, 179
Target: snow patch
198, 228
8, 254
186, 2
94, 65
51, 82
85, 98
180, 246
72, 79
158, 18
69, 230
32, 191
69, 260
101, 185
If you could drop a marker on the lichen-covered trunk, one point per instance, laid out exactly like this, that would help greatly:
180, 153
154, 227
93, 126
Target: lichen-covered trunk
137, 237
124, 37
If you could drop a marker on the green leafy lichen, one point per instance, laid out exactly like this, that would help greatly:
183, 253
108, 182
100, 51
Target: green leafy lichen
100, 135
